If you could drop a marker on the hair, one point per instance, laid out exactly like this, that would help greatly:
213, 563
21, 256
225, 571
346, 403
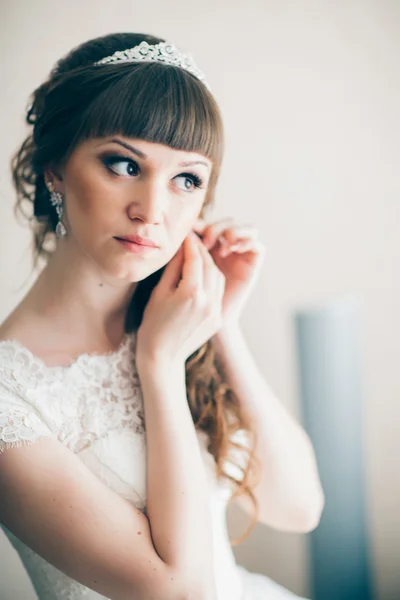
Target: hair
158, 103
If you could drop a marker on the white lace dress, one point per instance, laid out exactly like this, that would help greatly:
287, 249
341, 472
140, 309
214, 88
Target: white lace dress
94, 407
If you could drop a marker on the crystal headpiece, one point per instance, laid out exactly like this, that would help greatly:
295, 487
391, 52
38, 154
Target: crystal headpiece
164, 52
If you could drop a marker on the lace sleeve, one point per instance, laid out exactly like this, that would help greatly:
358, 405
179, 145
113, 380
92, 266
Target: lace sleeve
19, 423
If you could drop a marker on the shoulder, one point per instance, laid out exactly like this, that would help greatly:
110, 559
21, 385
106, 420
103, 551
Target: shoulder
21, 421
17, 366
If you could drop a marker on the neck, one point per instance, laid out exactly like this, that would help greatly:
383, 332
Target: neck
76, 298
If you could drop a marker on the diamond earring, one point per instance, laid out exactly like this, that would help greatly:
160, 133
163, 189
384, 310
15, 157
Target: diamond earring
57, 200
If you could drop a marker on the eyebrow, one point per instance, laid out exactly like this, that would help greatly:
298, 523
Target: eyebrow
142, 155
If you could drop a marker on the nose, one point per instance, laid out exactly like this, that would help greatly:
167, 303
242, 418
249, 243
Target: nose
148, 204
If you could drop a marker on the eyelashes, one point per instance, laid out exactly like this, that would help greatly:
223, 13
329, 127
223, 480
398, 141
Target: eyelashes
197, 181
111, 160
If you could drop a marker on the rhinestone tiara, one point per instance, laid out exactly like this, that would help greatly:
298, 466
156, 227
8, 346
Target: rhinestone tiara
164, 52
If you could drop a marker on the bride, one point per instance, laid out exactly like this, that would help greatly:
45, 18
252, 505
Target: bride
131, 410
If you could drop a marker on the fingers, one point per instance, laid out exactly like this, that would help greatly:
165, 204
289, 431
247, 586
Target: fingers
172, 272
211, 273
201, 276
239, 233
212, 231
199, 226
242, 247
226, 233
192, 269
214, 283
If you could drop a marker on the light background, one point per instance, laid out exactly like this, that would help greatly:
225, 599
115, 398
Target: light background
309, 92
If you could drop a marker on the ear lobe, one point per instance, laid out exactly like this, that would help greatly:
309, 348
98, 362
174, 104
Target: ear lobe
199, 225
52, 179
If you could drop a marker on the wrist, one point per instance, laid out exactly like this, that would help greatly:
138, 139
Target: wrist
159, 366
229, 330
165, 381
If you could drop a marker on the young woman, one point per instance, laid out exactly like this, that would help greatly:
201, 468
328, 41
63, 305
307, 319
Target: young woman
131, 411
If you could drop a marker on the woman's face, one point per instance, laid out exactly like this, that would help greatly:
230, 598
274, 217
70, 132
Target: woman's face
116, 187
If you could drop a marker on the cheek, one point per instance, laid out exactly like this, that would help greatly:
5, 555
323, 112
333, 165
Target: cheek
89, 203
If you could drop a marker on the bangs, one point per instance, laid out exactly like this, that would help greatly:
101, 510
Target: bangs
156, 103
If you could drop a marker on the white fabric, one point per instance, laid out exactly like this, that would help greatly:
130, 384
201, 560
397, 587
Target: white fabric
94, 407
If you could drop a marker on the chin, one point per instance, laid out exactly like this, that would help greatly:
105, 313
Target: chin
133, 270
126, 266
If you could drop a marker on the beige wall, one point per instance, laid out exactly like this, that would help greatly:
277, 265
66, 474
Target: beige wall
310, 95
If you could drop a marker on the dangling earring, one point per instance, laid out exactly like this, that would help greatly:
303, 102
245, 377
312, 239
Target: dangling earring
57, 200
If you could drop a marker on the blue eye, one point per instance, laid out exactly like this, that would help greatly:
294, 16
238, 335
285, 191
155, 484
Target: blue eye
131, 167
194, 180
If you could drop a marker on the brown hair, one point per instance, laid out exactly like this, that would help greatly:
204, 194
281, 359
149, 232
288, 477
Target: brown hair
157, 103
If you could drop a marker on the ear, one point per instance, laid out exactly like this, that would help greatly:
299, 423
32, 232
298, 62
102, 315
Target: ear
199, 225
54, 176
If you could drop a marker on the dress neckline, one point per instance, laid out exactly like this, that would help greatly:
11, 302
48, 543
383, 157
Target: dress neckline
86, 357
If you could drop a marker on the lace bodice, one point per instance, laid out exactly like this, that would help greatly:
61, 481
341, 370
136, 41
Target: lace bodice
94, 407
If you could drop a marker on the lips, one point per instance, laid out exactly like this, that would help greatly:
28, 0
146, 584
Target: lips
138, 249
138, 239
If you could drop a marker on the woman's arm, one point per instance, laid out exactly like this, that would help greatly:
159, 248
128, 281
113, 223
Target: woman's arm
55, 505
290, 494
178, 505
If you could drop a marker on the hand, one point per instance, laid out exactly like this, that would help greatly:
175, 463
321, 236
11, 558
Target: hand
238, 254
184, 309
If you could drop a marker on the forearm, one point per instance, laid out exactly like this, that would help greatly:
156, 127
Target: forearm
290, 482
178, 505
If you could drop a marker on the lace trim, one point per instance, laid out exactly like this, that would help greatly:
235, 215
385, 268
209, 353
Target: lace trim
86, 358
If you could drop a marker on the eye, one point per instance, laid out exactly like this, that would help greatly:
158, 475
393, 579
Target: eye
190, 181
129, 168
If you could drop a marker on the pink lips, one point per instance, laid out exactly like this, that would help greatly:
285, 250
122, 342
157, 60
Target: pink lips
135, 247
138, 239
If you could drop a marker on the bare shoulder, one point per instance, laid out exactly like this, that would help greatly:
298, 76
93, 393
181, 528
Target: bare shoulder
16, 326
34, 335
